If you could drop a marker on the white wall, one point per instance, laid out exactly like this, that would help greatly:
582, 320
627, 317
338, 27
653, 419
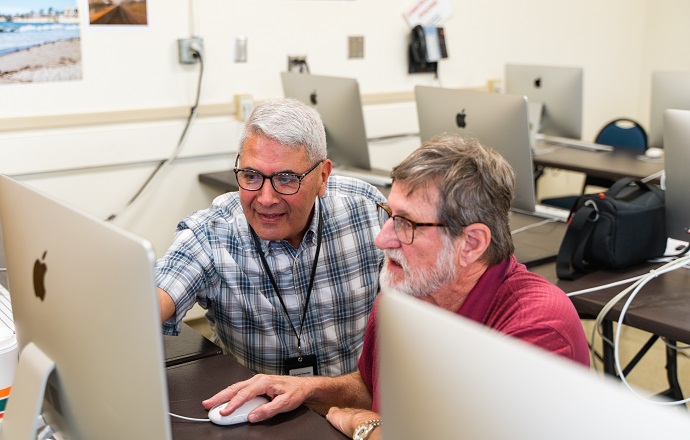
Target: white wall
128, 69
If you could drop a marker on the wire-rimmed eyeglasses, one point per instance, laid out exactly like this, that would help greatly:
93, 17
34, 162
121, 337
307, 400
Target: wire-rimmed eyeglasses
404, 227
283, 183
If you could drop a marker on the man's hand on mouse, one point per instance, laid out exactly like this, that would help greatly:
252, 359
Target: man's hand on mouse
286, 393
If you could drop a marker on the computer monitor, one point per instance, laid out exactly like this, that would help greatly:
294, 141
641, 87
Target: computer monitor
670, 90
445, 377
496, 120
557, 88
676, 160
87, 321
339, 103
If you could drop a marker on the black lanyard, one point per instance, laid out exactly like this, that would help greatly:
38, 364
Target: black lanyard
257, 243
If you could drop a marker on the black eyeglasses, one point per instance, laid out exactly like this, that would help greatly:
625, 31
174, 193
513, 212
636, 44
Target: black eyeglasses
404, 227
283, 183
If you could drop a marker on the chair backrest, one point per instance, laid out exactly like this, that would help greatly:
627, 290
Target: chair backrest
623, 133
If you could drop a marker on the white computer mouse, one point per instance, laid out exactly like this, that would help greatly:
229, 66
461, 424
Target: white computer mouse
654, 153
237, 416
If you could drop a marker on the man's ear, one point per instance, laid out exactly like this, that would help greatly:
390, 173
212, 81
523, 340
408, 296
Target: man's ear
325, 172
476, 240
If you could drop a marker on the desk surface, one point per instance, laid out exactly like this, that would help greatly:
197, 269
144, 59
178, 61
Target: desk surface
538, 244
661, 308
612, 165
187, 346
224, 180
192, 382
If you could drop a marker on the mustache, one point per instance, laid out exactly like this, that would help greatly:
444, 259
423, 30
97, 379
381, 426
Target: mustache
397, 256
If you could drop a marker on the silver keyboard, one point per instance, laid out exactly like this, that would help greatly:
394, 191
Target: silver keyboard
574, 143
547, 211
368, 177
6, 319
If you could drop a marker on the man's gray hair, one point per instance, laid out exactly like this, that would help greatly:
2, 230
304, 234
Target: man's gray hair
289, 122
476, 185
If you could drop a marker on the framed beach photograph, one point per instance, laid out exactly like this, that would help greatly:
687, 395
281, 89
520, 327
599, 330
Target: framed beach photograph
118, 12
40, 41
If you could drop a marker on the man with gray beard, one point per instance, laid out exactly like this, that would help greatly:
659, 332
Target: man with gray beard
446, 241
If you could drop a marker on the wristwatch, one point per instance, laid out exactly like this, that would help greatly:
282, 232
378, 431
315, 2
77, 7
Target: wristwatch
364, 429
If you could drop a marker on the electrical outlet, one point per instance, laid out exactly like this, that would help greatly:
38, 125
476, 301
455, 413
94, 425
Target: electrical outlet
241, 49
189, 49
355, 47
243, 106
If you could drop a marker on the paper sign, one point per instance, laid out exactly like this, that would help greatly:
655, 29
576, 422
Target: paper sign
428, 13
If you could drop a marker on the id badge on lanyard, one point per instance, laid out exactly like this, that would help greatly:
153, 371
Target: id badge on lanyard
301, 366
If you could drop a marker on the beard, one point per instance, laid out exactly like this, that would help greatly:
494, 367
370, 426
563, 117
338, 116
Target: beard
419, 281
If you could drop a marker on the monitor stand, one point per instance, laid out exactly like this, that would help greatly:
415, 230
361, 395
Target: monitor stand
21, 420
534, 113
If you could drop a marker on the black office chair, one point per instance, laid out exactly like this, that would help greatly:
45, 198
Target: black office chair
621, 134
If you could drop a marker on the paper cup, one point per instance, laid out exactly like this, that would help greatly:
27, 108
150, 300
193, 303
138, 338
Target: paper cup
9, 357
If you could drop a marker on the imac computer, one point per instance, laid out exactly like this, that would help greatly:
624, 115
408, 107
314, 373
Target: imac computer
677, 181
87, 322
496, 120
445, 377
556, 91
339, 103
670, 90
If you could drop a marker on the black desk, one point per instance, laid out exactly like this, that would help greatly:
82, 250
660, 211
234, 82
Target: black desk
224, 180
662, 309
539, 244
192, 382
187, 346
611, 165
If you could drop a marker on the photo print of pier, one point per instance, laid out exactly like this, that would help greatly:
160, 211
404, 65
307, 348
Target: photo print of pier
113, 12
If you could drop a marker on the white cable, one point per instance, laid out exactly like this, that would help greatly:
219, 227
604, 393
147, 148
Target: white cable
613, 301
192, 419
681, 262
675, 347
605, 286
596, 329
533, 225
652, 176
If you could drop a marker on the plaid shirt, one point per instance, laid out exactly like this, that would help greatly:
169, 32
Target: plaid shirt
213, 261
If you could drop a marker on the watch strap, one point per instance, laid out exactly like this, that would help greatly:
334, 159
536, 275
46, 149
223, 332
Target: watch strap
364, 429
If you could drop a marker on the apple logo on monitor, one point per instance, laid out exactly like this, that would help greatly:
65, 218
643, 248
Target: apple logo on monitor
40, 270
460, 119
537, 82
313, 98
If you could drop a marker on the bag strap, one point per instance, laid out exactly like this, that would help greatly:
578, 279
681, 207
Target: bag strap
570, 259
624, 182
